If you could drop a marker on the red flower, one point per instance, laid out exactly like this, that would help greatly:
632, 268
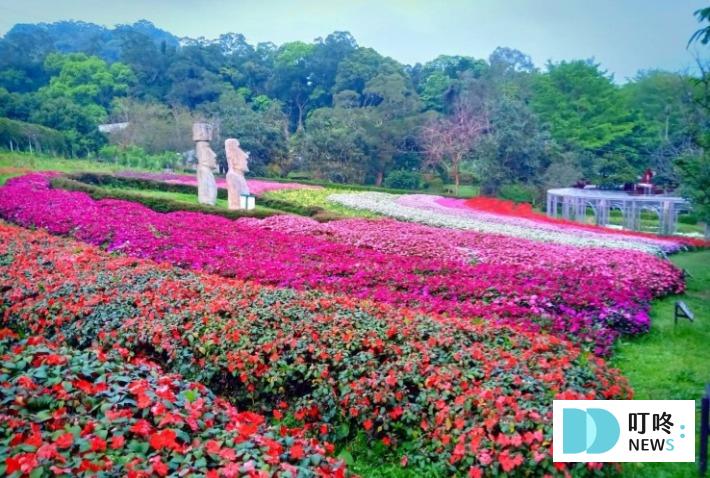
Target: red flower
297, 451
117, 441
474, 472
159, 468
509, 462
65, 440
396, 412
164, 439
53, 359
212, 447
34, 440
24, 462
97, 444
142, 428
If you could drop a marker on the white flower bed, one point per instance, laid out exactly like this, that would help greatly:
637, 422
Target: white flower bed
426, 211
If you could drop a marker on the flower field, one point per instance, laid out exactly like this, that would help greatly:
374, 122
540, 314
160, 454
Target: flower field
530, 287
257, 187
69, 412
464, 397
455, 213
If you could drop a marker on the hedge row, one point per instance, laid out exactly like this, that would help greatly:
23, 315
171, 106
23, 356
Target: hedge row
22, 136
157, 204
96, 183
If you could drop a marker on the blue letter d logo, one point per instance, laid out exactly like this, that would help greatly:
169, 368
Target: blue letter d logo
593, 431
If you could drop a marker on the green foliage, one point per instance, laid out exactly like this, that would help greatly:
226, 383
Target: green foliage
401, 179
702, 35
20, 135
259, 125
582, 105
345, 113
135, 157
694, 170
518, 193
315, 198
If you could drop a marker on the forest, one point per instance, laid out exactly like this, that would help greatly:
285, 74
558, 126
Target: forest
334, 110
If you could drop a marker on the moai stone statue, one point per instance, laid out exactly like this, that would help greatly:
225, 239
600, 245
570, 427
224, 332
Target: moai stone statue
206, 164
237, 160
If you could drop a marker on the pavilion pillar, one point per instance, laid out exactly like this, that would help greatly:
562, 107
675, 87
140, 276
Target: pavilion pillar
666, 218
602, 212
554, 206
549, 204
637, 219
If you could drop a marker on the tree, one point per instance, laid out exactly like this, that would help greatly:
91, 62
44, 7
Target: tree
335, 145
86, 80
260, 126
78, 97
516, 150
694, 170
450, 139
703, 34
361, 66
582, 106
391, 112
293, 80
152, 126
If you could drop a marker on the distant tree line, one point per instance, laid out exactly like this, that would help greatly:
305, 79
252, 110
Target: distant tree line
335, 110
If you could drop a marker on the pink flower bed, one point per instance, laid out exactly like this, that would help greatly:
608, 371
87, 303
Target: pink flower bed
627, 268
257, 187
591, 304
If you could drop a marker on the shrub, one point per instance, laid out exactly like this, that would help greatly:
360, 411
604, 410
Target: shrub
136, 157
518, 193
403, 180
25, 136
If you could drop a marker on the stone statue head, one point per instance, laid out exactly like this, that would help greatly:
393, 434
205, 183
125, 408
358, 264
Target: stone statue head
202, 132
237, 158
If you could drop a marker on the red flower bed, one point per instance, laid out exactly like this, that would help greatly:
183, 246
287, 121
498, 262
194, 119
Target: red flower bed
458, 396
67, 412
525, 210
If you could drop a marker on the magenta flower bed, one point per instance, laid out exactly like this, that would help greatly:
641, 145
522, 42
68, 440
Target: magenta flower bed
634, 269
257, 187
589, 305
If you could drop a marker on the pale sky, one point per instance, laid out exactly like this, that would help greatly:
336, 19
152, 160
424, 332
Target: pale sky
623, 35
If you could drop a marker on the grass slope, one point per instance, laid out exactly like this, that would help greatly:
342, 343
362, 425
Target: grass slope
671, 362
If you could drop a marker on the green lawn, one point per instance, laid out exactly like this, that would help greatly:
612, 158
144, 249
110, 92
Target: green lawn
318, 197
180, 197
671, 361
35, 162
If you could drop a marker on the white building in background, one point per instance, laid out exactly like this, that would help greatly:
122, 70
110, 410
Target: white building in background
109, 128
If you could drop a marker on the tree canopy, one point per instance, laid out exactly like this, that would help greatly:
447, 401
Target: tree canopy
336, 110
